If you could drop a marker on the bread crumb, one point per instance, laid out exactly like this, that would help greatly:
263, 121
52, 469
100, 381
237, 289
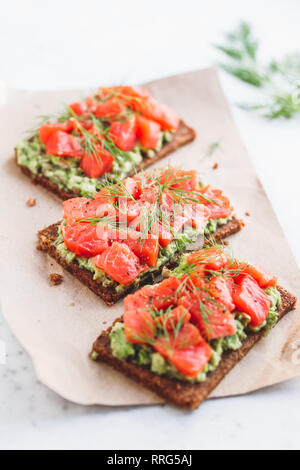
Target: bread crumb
56, 279
247, 214
31, 202
216, 166
225, 242
242, 223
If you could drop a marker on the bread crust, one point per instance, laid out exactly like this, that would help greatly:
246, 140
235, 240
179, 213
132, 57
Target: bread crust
48, 235
185, 395
182, 136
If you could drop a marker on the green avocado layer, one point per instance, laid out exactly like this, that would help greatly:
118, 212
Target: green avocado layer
66, 173
146, 355
190, 235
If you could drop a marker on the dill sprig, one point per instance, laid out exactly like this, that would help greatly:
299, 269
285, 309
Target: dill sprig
204, 294
279, 79
126, 99
92, 143
233, 268
242, 49
168, 327
41, 119
108, 143
152, 217
211, 149
146, 337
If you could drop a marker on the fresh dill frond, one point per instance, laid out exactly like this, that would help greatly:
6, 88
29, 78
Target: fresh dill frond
42, 119
92, 143
246, 74
152, 220
279, 79
211, 149
279, 105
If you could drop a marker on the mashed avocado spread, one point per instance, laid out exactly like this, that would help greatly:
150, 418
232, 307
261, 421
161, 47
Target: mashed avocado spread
145, 355
66, 173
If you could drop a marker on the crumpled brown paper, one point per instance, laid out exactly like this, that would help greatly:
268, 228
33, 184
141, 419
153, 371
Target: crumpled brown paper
57, 325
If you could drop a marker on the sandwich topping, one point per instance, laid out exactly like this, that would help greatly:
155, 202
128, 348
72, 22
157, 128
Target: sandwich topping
182, 326
132, 228
106, 134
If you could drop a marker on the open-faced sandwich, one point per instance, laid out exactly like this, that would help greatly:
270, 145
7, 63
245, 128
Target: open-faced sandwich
124, 236
179, 338
114, 133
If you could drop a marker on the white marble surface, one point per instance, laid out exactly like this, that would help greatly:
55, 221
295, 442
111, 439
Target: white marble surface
69, 44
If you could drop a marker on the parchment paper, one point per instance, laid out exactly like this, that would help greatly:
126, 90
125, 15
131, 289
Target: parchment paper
57, 325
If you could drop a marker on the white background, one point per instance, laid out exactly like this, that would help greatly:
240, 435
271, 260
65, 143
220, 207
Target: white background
72, 43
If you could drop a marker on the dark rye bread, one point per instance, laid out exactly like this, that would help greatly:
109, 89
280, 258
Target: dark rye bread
181, 136
48, 235
181, 394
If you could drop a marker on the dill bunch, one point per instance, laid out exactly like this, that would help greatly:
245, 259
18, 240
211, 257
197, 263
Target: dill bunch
279, 80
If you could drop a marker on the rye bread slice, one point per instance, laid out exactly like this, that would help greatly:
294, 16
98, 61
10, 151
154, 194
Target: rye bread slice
182, 394
182, 136
110, 296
